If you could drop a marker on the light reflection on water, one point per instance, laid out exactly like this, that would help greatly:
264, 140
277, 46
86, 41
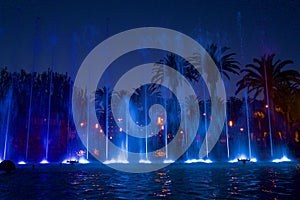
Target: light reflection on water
190, 181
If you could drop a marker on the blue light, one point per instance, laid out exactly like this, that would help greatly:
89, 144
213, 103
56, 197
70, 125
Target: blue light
21, 163
44, 162
283, 159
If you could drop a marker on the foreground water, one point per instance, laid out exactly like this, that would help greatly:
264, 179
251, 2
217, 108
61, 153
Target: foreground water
177, 181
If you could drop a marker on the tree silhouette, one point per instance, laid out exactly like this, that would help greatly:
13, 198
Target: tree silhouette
268, 78
162, 73
225, 62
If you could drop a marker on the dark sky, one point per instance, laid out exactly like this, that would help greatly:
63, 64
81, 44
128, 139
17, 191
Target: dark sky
249, 28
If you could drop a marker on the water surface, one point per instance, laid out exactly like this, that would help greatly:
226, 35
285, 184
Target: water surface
177, 181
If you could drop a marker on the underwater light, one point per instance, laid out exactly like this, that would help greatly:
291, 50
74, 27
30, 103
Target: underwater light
68, 161
243, 158
207, 161
113, 161
233, 161
44, 162
283, 159
107, 162
65, 161
83, 161
191, 161
197, 161
145, 161
21, 163
168, 161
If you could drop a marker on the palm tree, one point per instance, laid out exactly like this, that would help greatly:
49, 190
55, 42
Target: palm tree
102, 101
225, 62
121, 98
144, 97
266, 77
162, 73
285, 99
192, 111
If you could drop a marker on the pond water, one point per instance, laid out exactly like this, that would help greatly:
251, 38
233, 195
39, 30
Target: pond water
177, 181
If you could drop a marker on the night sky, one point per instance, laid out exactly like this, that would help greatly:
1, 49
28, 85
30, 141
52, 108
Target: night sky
63, 33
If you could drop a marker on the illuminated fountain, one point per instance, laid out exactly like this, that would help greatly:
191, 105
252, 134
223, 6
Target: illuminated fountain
283, 159
124, 141
248, 126
7, 124
244, 149
107, 127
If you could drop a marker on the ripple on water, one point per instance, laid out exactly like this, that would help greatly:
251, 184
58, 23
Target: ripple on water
199, 180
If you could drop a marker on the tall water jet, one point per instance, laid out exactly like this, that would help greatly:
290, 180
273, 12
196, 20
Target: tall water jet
205, 115
53, 41
225, 103
146, 122
226, 127
7, 122
164, 125
226, 132
240, 30
29, 113
248, 123
49, 113
122, 118
164, 128
31, 86
106, 124
205, 122
89, 33
127, 124
186, 131
106, 102
268, 109
87, 119
71, 71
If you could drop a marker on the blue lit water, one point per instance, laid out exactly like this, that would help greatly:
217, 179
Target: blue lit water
177, 181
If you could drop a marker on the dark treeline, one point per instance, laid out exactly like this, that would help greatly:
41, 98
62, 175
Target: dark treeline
26, 96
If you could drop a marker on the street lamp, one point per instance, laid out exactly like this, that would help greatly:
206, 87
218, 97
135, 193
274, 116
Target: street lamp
81, 124
230, 123
160, 121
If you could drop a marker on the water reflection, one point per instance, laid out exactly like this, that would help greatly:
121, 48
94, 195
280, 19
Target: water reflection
202, 181
164, 180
